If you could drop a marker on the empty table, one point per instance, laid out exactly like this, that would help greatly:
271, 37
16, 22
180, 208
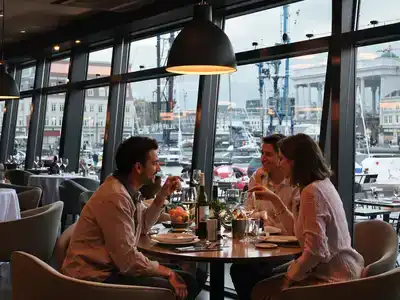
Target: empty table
9, 205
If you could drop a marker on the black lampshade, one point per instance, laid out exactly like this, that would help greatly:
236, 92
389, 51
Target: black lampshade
201, 47
8, 87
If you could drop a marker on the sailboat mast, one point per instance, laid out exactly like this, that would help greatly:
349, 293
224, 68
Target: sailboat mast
158, 110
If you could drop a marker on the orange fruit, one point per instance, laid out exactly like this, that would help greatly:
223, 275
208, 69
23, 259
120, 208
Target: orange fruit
179, 219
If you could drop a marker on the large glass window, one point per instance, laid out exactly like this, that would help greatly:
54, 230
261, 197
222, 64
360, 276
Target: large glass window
99, 63
93, 130
59, 72
166, 114
151, 52
53, 124
259, 99
377, 140
27, 78
294, 22
377, 111
374, 13
22, 128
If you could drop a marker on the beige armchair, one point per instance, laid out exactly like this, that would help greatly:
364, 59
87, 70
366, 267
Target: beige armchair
32, 279
384, 286
377, 242
35, 233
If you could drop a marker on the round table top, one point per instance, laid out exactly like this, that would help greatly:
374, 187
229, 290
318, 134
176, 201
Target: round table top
235, 252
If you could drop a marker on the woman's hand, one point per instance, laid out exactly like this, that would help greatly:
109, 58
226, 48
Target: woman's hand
286, 283
262, 193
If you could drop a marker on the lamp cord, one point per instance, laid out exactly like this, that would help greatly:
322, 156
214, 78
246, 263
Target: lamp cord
2, 32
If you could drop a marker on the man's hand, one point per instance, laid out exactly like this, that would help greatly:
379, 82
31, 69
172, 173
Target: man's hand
179, 285
172, 184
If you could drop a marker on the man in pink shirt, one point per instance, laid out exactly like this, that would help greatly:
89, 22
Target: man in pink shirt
103, 245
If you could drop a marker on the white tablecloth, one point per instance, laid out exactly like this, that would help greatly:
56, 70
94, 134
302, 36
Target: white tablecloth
50, 183
9, 205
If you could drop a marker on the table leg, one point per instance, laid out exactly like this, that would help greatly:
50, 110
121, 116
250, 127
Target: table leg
217, 280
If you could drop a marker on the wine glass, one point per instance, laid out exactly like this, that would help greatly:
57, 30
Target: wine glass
36, 162
396, 192
65, 163
196, 176
59, 163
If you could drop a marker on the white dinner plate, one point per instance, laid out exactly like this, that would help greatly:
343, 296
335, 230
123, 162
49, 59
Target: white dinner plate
177, 242
174, 237
281, 239
266, 245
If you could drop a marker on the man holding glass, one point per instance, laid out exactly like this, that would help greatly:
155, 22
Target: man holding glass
271, 177
103, 245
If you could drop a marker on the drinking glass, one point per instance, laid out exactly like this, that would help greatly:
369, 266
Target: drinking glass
251, 231
36, 162
196, 176
396, 193
59, 163
65, 163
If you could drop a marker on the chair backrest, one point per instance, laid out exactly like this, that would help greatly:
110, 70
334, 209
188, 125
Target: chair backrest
36, 232
16, 187
69, 194
84, 198
62, 244
29, 199
19, 177
377, 242
32, 279
384, 286
88, 183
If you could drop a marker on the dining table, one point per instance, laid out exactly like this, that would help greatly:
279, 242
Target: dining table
234, 251
49, 184
9, 205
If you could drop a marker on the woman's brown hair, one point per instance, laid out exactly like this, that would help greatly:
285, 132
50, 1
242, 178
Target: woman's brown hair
309, 164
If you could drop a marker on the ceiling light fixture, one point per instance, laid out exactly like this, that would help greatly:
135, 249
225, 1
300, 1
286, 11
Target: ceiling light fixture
201, 47
23, 31
56, 48
8, 87
77, 41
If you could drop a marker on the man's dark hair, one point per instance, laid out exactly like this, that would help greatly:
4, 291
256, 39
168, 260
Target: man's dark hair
133, 150
273, 140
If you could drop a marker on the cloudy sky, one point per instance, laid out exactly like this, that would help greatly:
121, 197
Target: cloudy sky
305, 17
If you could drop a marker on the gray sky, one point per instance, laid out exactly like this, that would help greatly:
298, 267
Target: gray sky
309, 16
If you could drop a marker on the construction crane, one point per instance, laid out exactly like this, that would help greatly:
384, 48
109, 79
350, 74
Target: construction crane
278, 106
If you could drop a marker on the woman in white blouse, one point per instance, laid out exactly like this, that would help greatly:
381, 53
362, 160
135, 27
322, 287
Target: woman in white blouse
318, 220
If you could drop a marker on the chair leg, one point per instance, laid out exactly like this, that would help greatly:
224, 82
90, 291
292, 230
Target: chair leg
63, 222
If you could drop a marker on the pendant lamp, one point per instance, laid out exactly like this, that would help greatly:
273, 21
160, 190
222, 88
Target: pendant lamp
8, 87
201, 47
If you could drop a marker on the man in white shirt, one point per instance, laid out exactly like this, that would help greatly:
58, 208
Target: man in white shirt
270, 176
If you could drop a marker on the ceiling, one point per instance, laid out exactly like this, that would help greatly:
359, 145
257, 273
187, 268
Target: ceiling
38, 16
32, 27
